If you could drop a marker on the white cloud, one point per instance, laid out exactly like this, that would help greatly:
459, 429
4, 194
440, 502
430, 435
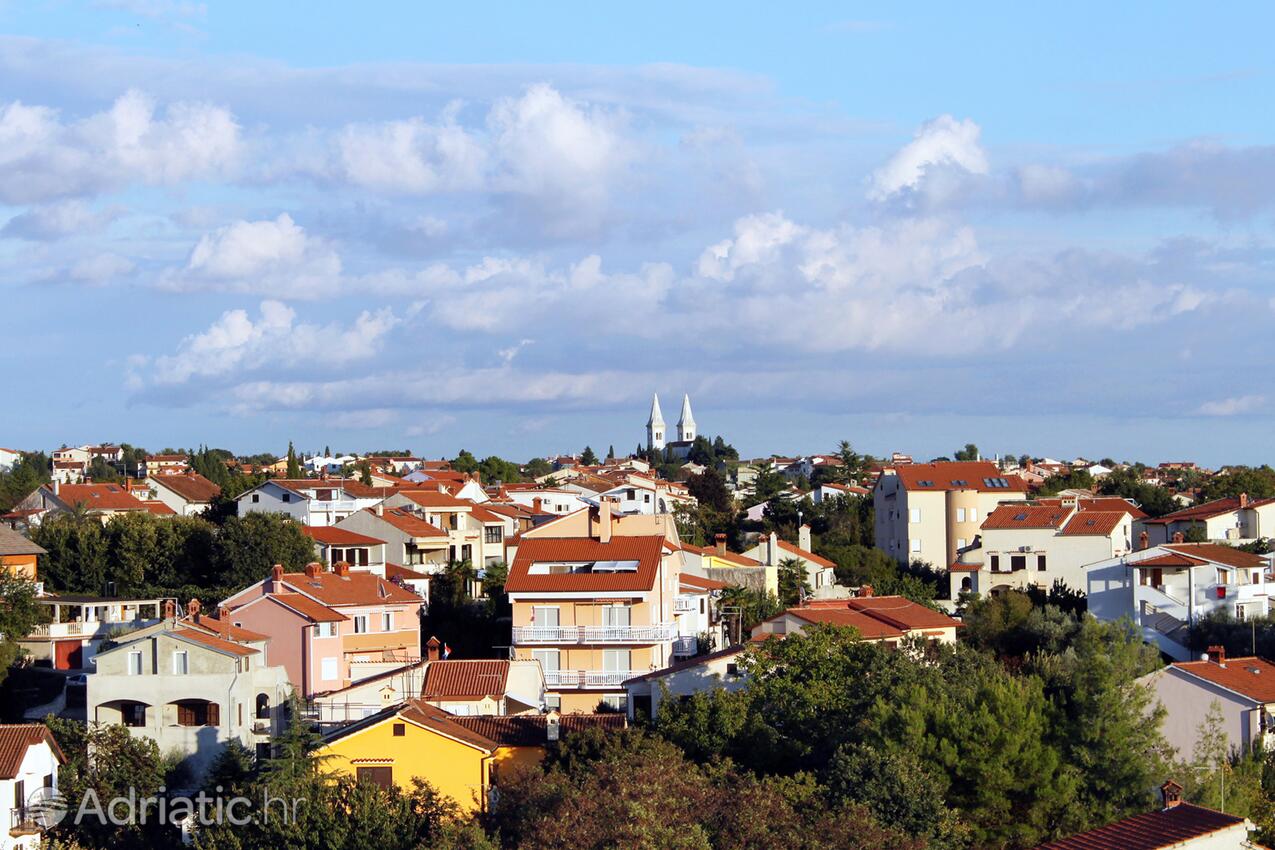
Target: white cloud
942, 143
412, 156
236, 345
1233, 406
58, 220
42, 157
101, 268
270, 257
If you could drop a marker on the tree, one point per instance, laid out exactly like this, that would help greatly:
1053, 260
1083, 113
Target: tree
537, 467
588, 458
26, 475
294, 466
970, 452
246, 547
793, 586
365, 473
709, 489
101, 472
611, 452
1126, 483
1257, 482
19, 614
898, 788
77, 552
851, 462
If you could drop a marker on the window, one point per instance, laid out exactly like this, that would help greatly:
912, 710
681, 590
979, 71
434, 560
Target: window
914, 515
615, 702
616, 615
994, 563
616, 661
553, 702
400, 730
960, 514
548, 658
732, 669
383, 776
263, 706
326, 630
328, 669
256, 497
916, 544
360, 624
287, 497
181, 663
493, 534
133, 714
1017, 562
544, 616
1040, 563
972, 515
198, 713
135, 663
387, 622
960, 543
647, 498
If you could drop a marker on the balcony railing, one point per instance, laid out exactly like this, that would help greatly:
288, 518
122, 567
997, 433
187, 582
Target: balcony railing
595, 634
685, 645
87, 628
586, 678
23, 821
683, 604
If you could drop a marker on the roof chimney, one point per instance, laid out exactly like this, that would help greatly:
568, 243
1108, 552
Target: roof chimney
604, 520
772, 550
1217, 654
864, 591
380, 509
432, 648
1243, 500
276, 579
1170, 794
1144, 540
1178, 537
719, 540
342, 568
170, 609
313, 568
803, 537
223, 613
536, 502
553, 726
192, 608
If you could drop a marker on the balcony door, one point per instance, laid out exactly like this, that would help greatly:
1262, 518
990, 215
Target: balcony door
617, 616
616, 664
549, 659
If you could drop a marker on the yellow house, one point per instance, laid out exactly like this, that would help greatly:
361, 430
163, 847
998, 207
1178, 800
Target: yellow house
18, 555
460, 756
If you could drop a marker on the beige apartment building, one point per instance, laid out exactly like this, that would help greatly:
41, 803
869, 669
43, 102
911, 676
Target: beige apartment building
930, 511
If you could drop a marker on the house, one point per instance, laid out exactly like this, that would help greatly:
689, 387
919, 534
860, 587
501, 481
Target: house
545, 500
1165, 588
323, 626
153, 465
930, 511
484, 687
75, 626
186, 493
885, 619
1035, 544
717, 671
462, 757
594, 610
9, 457
697, 614
466, 538
101, 500
719, 563
1177, 825
192, 685
1233, 520
29, 762
311, 501
1243, 688
820, 572
19, 557
334, 544
340, 706
837, 491
410, 541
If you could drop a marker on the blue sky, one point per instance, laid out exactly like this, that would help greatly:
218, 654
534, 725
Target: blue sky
502, 227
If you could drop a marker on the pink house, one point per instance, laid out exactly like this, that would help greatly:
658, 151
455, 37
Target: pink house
322, 625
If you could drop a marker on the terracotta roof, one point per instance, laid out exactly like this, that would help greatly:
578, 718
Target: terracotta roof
435, 499
409, 523
212, 642
1208, 510
16, 739
1251, 676
191, 486
158, 508
13, 543
902, 612
1150, 831
222, 627
688, 663
1221, 554
702, 583
647, 551
711, 552
153, 458
1099, 523
958, 475
354, 588
397, 571
307, 607
1026, 516
868, 626
529, 730
1171, 559
331, 535
802, 553
103, 497
483, 515
465, 679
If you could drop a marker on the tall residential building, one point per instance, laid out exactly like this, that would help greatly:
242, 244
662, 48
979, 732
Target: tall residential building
655, 425
929, 512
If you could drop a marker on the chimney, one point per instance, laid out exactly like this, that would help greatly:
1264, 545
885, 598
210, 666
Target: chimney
1144, 540
1178, 537
342, 568
313, 569
553, 726
1170, 794
276, 579
433, 648
380, 509
192, 608
535, 505
223, 613
1217, 654
170, 609
864, 591
772, 550
720, 541
1243, 500
604, 520
803, 537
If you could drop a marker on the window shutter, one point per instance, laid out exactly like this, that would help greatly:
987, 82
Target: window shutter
214, 714
185, 716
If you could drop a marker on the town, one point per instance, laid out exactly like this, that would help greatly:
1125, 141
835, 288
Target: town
890, 651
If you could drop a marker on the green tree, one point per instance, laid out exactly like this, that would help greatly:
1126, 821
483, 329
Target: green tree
25, 476
19, 614
588, 458
537, 467
246, 547
793, 586
851, 462
970, 452
897, 787
77, 559
294, 465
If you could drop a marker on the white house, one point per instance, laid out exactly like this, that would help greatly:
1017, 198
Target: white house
718, 671
311, 501
188, 494
8, 457
29, 760
820, 572
1236, 519
547, 500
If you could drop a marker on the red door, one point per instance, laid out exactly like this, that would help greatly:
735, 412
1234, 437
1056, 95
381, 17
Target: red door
68, 655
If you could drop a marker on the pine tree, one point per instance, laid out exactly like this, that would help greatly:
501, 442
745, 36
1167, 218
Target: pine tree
294, 466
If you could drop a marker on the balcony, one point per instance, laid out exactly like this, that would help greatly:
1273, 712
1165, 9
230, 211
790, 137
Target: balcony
594, 634
587, 678
683, 605
87, 628
24, 821
685, 645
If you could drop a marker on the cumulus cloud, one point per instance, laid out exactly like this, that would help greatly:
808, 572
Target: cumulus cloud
43, 157
1233, 406
944, 143
237, 344
269, 257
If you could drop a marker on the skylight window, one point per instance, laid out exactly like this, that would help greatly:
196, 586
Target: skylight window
1019, 517
996, 482
925, 483
960, 482
545, 568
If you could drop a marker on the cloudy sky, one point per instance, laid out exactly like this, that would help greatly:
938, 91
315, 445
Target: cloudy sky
502, 227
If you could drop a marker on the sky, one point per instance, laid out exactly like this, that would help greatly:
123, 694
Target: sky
502, 227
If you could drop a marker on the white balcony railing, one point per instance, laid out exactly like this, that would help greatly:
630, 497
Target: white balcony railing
87, 628
657, 633
685, 645
683, 604
586, 678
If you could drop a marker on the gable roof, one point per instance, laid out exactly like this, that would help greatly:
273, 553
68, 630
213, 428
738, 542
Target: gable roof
1150, 831
1207, 510
353, 588
408, 522
435, 499
191, 486
530, 730
802, 553
331, 535
102, 497
465, 679
1099, 523
868, 626
1252, 677
223, 628
902, 612
1220, 553
981, 475
13, 543
689, 663
647, 551
306, 607
1026, 516
700, 583
213, 642
16, 739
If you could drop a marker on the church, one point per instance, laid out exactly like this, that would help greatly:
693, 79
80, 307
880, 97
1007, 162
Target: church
655, 429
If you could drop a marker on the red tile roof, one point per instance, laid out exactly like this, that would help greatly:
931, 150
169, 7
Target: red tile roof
958, 475
1170, 559
647, 551
1208, 510
191, 486
529, 730
435, 499
212, 642
702, 583
395, 571
409, 523
331, 535
307, 607
1099, 523
158, 508
102, 497
224, 628
1220, 553
455, 680
1251, 676
802, 553
1150, 831
1026, 516
16, 739
689, 663
354, 588
902, 612
868, 626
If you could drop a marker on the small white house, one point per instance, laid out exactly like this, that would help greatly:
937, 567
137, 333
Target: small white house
29, 759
